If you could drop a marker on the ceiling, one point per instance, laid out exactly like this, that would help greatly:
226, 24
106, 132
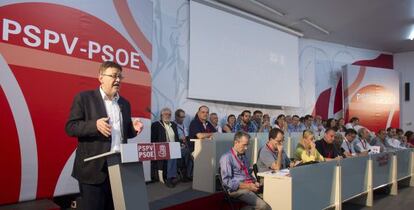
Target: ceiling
371, 24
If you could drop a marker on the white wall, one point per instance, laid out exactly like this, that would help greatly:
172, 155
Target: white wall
404, 63
319, 65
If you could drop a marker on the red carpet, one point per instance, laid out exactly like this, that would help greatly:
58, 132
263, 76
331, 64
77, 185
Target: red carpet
214, 201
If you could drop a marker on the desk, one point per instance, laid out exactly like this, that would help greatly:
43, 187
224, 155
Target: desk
328, 184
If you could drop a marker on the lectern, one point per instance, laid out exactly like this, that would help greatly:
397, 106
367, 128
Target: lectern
126, 173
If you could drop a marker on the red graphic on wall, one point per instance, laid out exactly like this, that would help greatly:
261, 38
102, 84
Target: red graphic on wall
54, 52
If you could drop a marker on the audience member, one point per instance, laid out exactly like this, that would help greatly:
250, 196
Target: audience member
271, 155
380, 140
409, 135
326, 147
392, 139
308, 124
306, 149
353, 123
186, 162
165, 131
265, 127
295, 125
236, 176
281, 123
214, 120
341, 125
347, 144
257, 119
200, 128
245, 124
231, 120
362, 146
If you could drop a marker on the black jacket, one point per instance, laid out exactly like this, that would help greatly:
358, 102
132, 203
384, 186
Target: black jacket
86, 109
159, 134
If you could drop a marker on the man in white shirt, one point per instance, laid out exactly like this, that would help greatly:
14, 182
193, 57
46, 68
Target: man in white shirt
354, 124
347, 144
165, 131
214, 120
361, 145
392, 139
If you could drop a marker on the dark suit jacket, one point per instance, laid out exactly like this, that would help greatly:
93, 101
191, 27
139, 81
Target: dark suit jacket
86, 109
158, 133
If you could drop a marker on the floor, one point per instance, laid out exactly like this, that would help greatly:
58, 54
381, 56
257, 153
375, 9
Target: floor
160, 197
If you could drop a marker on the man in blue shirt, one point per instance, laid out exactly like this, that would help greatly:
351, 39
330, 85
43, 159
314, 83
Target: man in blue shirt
245, 124
236, 175
295, 126
200, 128
271, 155
187, 162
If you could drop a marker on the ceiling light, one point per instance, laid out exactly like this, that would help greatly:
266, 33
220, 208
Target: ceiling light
264, 6
411, 37
316, 26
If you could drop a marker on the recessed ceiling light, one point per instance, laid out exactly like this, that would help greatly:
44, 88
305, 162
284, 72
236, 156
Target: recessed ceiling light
316, 26
264, 6
411, 36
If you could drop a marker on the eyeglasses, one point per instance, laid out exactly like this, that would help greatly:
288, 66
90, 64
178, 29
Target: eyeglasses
114, 76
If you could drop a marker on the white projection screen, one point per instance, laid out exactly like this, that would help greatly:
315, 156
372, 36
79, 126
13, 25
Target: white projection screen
234, 59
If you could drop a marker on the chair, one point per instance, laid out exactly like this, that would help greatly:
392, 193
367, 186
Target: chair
231, 201
255, 171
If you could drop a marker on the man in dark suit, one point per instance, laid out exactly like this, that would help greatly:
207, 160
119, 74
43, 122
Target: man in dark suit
101, 120
165, 131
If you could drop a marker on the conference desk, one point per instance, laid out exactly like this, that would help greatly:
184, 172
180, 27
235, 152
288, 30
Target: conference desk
207, 153
328, 184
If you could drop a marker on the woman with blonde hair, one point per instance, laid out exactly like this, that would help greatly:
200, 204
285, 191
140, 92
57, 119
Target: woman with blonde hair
305, 150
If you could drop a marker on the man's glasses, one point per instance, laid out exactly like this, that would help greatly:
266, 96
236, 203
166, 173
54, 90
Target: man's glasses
114, 76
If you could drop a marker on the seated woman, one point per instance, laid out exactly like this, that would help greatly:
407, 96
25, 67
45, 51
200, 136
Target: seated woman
231, 120
305, 150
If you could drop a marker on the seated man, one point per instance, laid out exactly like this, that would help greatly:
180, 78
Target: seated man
326, 147
295, 126
380, 140
245, 123
165, 131
347, 144
392, 139
234, 170
362, 146
271, 155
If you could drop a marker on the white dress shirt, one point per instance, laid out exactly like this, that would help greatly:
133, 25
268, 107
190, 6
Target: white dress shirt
361, 145
395, 143
169, 131
348, 147
115, 117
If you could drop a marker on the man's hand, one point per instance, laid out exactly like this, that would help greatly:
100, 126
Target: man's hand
279, 147
103, 126
254, 187
138, 126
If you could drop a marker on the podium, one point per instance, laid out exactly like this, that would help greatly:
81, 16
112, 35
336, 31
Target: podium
126, 173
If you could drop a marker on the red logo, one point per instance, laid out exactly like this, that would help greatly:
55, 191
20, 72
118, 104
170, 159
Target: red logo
155, 151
